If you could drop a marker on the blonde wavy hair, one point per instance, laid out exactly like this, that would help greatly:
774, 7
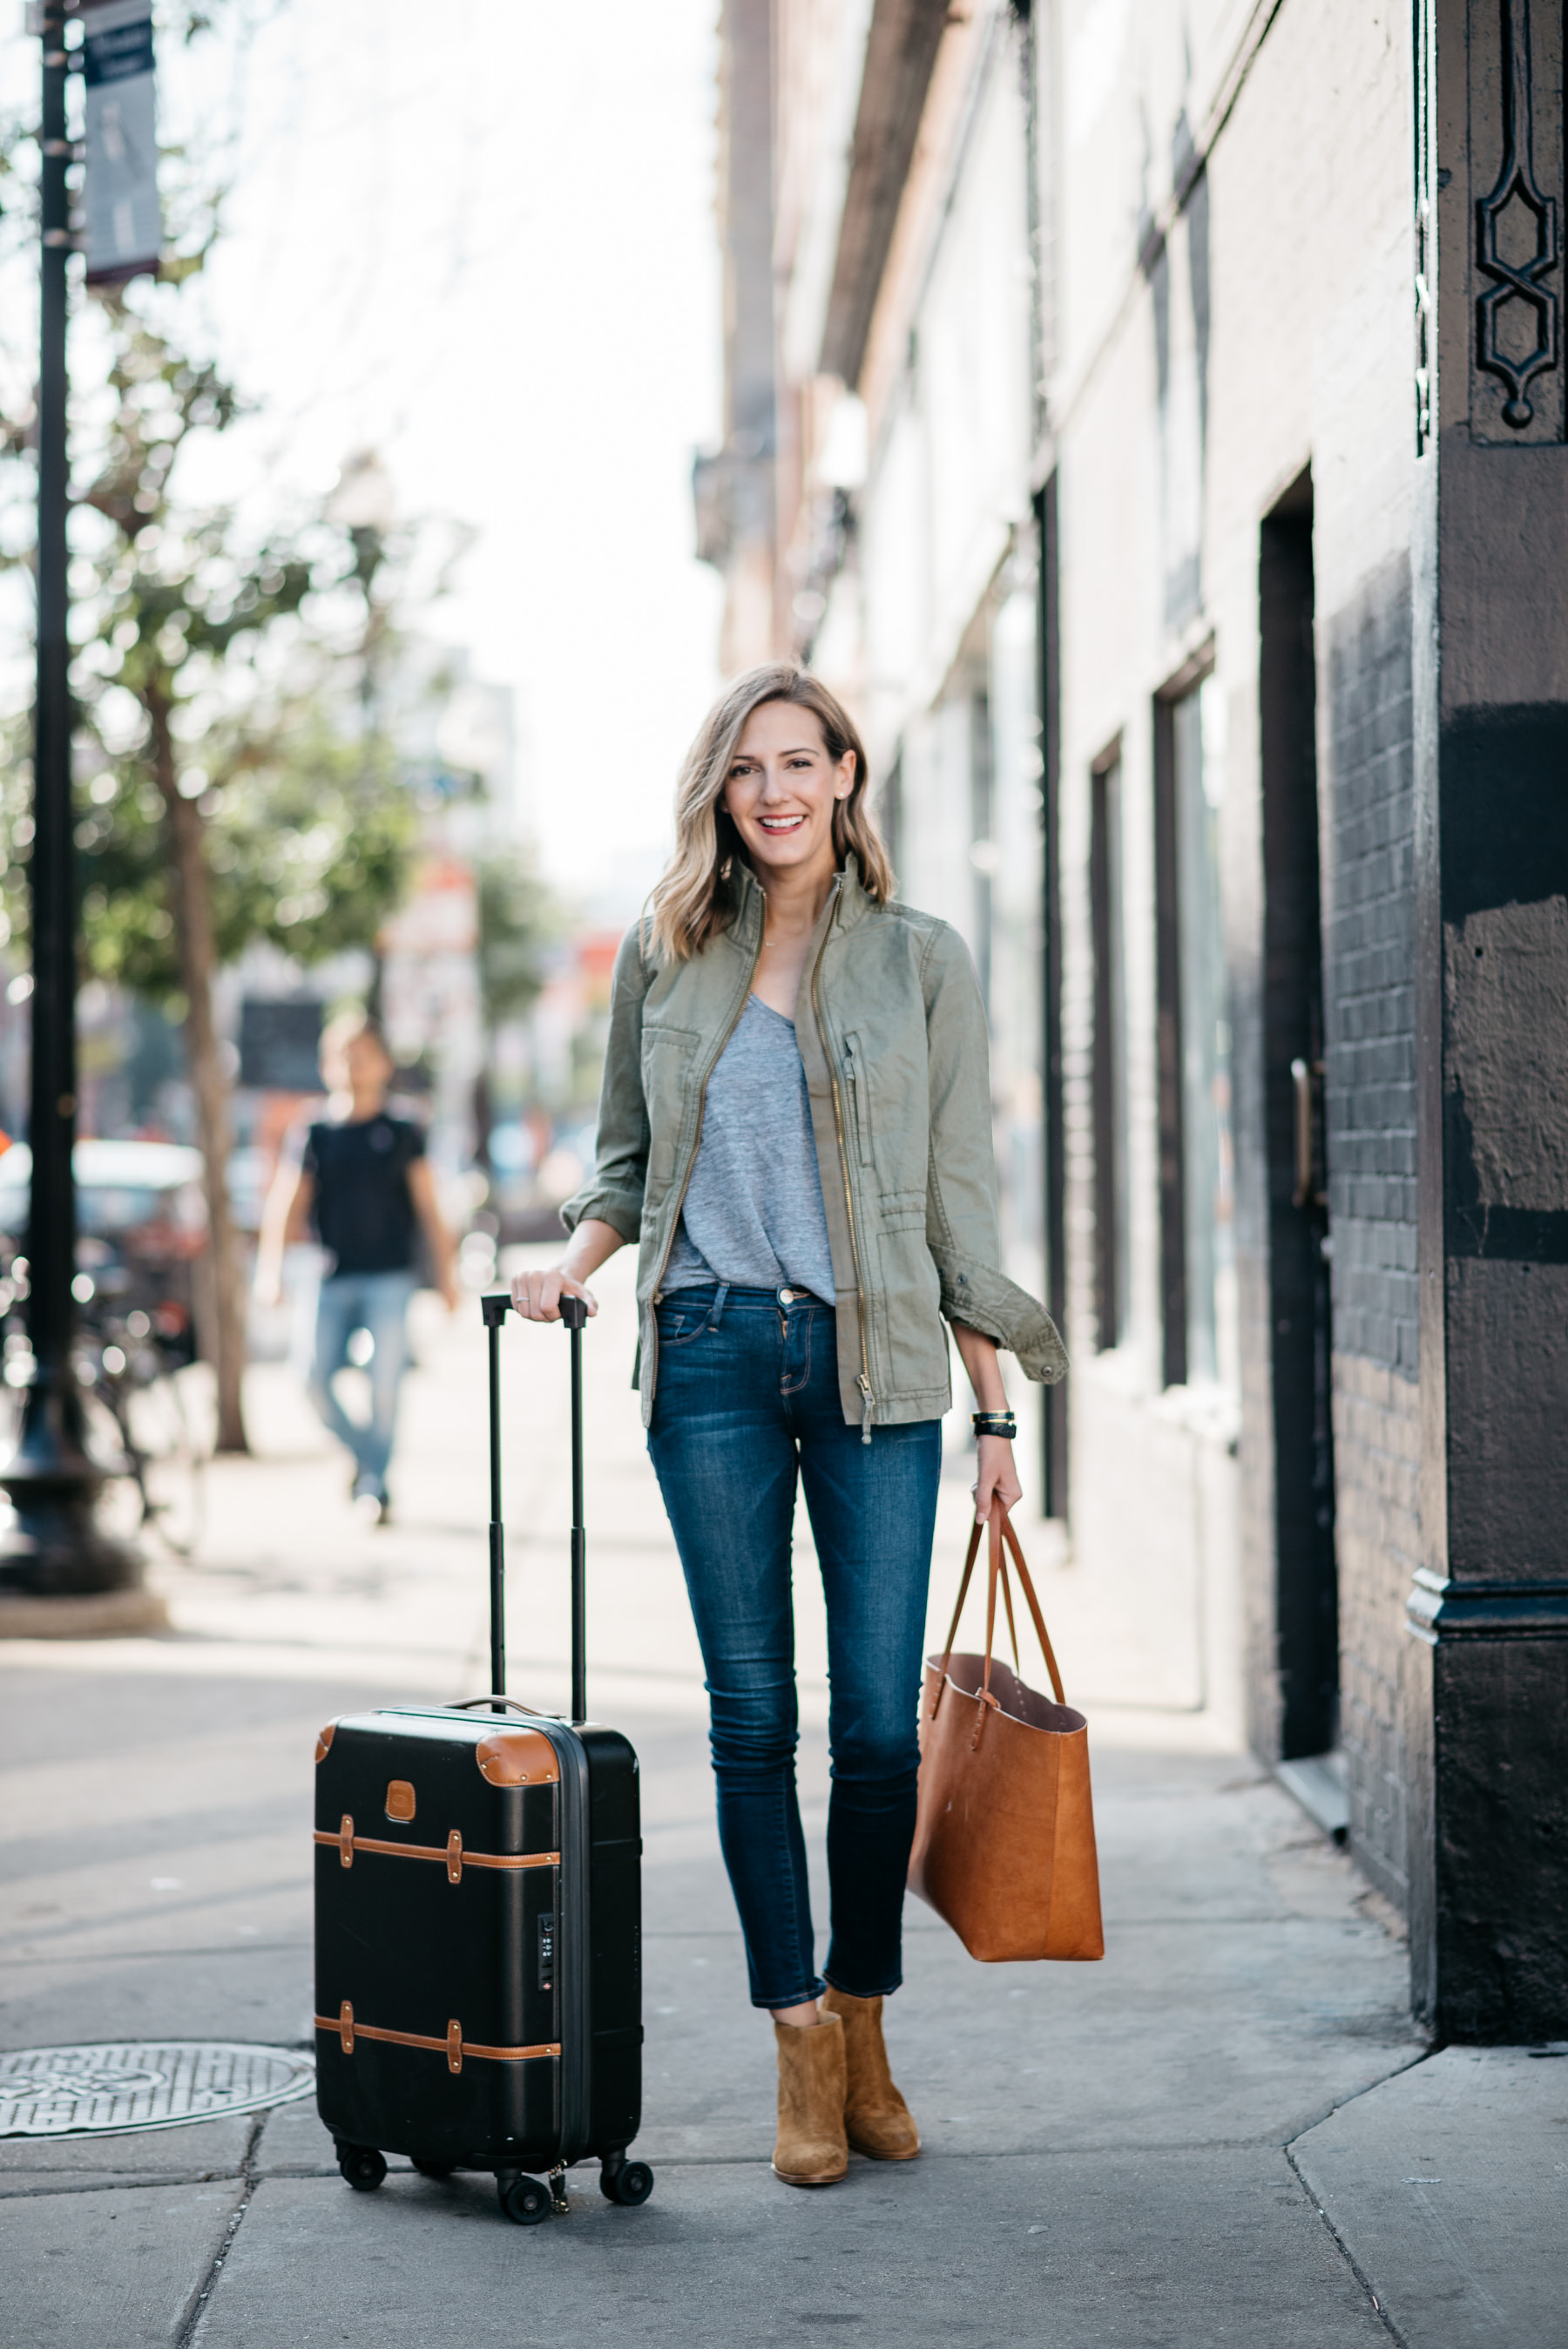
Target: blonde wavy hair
698, 894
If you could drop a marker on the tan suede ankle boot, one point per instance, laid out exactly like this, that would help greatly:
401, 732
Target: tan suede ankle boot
810, 2150
877, 2121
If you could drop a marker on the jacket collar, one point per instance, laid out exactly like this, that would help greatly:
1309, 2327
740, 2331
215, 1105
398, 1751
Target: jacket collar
847, 905
853, 903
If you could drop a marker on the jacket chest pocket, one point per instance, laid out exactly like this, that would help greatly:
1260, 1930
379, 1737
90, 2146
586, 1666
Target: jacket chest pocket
668, 1055
858, 1096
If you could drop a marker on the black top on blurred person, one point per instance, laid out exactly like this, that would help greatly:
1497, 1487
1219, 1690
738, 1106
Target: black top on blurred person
362, 1183
361, 1206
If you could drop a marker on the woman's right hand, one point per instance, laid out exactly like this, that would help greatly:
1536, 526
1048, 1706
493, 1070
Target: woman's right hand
536, 1296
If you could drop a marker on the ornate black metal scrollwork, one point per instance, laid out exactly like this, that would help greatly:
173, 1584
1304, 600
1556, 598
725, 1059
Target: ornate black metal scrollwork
1519, 282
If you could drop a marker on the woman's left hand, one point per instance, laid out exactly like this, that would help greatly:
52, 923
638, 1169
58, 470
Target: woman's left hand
997, 1476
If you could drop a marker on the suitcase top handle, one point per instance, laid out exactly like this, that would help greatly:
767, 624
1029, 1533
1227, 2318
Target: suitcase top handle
498, 1305
511, 1703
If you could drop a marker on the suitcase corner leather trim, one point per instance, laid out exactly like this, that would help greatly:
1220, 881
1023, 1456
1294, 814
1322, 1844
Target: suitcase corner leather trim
518, 1758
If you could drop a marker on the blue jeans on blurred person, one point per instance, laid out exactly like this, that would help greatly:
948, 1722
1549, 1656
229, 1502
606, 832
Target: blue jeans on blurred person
746, 1400
377, 1302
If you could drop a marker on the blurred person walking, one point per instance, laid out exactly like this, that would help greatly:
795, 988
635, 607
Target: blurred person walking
359, 1182
795, 1128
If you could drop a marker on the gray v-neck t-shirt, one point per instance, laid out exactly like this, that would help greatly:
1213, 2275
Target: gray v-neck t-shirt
753, 1217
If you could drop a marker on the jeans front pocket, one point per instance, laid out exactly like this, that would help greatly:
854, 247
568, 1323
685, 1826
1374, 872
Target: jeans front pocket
679, 1324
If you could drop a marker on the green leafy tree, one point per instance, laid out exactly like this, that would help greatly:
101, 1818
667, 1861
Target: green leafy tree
273, 820
234, 780
228, 789
306, 842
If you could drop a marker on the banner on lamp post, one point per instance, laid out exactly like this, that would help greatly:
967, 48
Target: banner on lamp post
124, 223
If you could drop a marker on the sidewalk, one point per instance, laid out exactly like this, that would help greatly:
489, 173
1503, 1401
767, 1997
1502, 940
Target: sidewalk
1227, 2132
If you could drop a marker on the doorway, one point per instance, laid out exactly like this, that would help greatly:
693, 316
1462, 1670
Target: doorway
1306, 1598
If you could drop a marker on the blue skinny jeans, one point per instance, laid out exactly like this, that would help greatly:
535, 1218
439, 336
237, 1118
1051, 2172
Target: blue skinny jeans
747, 1400
376, 1301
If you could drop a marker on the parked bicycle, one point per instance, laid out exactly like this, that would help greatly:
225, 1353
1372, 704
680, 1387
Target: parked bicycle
136, 1369
131, 1363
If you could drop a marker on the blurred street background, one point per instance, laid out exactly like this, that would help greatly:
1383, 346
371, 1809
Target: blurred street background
454, 400
454, 535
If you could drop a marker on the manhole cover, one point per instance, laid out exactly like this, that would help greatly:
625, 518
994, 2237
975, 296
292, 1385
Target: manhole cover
142, 2084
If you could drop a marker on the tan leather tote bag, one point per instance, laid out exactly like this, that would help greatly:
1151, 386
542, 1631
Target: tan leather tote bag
1004, 1836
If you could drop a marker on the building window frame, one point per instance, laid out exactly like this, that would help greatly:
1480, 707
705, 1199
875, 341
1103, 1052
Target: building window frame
1054, 1449
1108, 1062
1175, 1267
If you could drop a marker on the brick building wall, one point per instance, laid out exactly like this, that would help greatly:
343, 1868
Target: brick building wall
1369, 948
1369, 1006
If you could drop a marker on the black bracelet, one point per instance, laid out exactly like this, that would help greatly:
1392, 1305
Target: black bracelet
994, 1423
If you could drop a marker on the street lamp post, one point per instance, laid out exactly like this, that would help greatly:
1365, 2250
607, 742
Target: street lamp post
56, 1546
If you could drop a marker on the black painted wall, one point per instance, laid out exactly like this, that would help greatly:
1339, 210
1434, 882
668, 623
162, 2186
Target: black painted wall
1487, 1694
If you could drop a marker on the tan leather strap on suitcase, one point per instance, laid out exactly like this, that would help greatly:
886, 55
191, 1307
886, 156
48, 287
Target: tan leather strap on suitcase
451, 1853
346, 2028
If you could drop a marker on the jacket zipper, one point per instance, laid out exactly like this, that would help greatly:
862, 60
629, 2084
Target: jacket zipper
691, 1163
863, 1381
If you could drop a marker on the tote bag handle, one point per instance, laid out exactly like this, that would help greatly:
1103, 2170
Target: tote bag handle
1000, 1529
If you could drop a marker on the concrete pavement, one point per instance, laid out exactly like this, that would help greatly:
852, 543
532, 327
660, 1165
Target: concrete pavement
1227, 2132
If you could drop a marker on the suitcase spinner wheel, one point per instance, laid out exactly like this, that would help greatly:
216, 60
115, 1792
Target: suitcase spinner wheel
628, 2182
363, 2166
520, 1998
525, 2200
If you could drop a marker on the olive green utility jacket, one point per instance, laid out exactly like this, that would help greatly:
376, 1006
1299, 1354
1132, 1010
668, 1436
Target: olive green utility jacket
891, 1032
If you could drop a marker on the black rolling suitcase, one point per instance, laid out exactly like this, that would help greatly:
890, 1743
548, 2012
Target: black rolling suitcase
479, 1920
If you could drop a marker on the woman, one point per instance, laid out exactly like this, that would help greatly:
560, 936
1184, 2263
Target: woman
795, 1128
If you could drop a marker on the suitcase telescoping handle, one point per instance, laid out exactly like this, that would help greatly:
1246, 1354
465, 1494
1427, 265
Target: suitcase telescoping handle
574, 1313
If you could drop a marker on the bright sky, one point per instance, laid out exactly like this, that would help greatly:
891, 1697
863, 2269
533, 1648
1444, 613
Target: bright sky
480, 238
